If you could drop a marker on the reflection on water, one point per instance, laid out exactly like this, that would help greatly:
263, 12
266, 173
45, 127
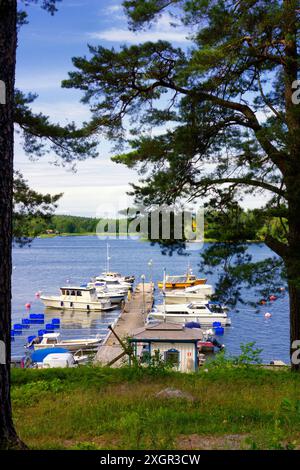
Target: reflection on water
78, 319
49, 263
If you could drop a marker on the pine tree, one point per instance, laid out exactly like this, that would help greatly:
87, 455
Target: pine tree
227, 106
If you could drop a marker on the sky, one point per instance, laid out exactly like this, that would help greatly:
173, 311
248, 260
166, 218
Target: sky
44, 58
46, 47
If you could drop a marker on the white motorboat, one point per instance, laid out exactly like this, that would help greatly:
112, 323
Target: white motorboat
52, 340
189, 294
77, 298
115, 296
114, 275
200, 312
114, 283
111, 277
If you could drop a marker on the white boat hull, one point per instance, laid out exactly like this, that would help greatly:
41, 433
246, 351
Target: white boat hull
204, 320
71, 345
57, 303
171, 299
115, 299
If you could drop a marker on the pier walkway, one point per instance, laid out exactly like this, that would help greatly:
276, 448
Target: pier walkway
132, 317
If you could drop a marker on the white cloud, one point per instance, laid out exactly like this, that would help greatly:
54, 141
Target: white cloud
39, 82
161, 30
95, 201
113, 8
63, 111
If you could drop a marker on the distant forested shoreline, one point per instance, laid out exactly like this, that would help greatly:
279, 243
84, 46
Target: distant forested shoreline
252, 226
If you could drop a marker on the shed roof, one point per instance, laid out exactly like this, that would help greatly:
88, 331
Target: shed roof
165, 331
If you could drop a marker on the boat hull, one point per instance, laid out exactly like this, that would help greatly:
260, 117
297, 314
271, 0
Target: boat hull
51, 302
117, 299
181, 285
71, 346
184, 298
204, 320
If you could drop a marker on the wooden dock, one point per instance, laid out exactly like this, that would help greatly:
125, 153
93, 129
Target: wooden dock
133, 316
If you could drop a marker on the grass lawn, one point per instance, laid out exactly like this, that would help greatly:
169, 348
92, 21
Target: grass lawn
102, 408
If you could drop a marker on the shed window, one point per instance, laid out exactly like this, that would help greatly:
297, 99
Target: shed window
172, 357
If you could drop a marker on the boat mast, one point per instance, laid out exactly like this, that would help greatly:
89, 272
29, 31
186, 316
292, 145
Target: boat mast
164, 293
189, 270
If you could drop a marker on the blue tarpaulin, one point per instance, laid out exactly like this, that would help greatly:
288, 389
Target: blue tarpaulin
39, 355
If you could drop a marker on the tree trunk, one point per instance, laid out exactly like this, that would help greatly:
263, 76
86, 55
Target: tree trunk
292, 170
292, 263
8, 43
294, 293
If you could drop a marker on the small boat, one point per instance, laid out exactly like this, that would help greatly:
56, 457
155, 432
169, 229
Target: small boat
114, 283
206, 314
115, 296
114, 275
180, 282
77, 298
52, 340
54, 357
189, 294
110, 277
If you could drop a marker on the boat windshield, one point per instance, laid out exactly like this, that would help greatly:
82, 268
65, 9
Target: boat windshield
215, 308
51, 340
174, 279
196, 306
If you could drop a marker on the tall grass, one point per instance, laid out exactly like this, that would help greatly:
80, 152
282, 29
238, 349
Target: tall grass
93, 407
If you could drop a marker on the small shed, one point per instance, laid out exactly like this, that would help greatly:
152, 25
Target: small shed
173, 342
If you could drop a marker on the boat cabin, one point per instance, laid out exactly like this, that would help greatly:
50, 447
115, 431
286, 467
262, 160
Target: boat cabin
184, 278
79, 293
50, 338
112, 275
171, 342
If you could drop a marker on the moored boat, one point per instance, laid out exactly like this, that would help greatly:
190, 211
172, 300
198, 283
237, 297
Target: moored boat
110, 275
115, 296
113, 284
52, 340
181, 282
189, 294
77, 298
206, 314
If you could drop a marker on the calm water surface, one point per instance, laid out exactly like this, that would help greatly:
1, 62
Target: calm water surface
53, 262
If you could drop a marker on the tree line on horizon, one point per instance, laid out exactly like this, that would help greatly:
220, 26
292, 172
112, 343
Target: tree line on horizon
252, 225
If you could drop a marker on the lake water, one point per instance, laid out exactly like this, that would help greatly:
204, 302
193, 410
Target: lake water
53, 262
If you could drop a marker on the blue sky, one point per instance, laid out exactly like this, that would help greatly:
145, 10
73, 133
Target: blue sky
46, 47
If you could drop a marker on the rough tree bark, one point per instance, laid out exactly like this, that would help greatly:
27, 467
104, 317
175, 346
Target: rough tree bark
292, 170
8, 43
